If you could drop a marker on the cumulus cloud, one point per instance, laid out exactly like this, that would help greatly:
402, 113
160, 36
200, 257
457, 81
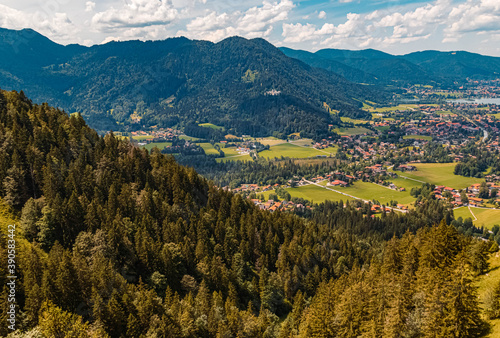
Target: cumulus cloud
136, 14
89, 6
255, 22
389, 27
473, 16
56, 25
322, 15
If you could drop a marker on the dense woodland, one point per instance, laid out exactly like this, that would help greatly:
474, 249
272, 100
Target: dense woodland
478, 162
120, 242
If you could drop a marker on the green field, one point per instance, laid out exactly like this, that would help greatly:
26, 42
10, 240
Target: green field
485, 217
364, 190
305, 142
209, 149
271, 141
188, 138
418, 137
210, 125
312, 193
353, 131
159, 145
354, 121
383, 128
371, 191
290, 150
497, 116
405, 183
439, 174
231, 151
142, 137
234, 158
394, 108
331, 150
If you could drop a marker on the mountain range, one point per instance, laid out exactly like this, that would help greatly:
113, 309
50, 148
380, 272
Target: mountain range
444, 69
246, 86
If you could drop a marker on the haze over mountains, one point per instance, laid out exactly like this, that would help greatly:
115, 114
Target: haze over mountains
427, 67
247, 86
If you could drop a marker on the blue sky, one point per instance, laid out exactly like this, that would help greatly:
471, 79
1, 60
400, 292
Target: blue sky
395, 26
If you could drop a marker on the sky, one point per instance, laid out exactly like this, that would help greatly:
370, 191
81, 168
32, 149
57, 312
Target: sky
394, 26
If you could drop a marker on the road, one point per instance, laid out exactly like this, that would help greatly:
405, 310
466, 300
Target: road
485, 135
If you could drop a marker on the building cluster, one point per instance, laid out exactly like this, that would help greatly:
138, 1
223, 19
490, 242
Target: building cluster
272, 205
157, 134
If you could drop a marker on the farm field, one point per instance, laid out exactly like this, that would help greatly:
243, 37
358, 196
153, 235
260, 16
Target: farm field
485, 217
304, 142
382, 128
188, 138
290, 150
353, 131
405, 183
348, 119
208, 148
231, 151
142, 137
418, 137
159, 145
312, 193
439, 174
393, 108
210, 125
271, 141
331, 150
484, 284
371, 191
234, 158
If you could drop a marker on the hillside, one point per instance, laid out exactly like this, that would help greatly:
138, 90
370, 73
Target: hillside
179, 81
126, 243
427, 67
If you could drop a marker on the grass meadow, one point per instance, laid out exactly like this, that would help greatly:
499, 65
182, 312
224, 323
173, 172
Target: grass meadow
440, 174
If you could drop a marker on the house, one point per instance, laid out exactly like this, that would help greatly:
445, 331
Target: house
338, 183
407, 167
476, 201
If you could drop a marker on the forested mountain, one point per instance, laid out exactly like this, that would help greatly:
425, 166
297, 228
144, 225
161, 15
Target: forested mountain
457, 65
120, 242
427, 67
178, 81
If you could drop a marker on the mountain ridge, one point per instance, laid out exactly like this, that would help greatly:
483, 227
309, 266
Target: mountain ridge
177, 81
423, 67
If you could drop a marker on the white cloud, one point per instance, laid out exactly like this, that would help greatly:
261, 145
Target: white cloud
391, 27
295, 33
89, 6
322, 15
57, 25
255, 22
136, 14
473, 16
